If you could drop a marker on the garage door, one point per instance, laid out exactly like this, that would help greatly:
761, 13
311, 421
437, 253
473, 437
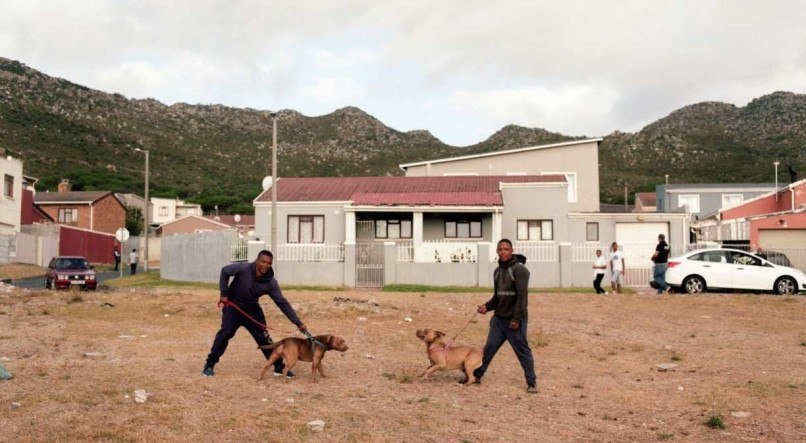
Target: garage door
638, 240
782, 238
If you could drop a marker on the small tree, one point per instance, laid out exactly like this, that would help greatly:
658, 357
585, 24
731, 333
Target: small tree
134, 220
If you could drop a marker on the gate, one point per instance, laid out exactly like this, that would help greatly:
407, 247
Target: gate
369, 265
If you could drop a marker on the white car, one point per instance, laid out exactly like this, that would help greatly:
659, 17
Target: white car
705, 269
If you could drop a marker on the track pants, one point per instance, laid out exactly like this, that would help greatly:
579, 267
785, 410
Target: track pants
499, 333
231, 320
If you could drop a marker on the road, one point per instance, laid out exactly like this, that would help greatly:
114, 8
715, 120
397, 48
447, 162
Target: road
39, 282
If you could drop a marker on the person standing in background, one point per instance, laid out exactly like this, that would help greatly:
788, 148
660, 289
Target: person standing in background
133, 257
599, 268
616, 267
661, 259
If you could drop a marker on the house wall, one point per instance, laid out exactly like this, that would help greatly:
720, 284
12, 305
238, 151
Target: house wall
582, 159
782, 221
535, 203
109, 213
11, 207
710, 199
769, 204
333, 213
158, 203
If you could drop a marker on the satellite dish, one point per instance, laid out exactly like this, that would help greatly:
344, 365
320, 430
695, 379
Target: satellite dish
237, 218
266, 182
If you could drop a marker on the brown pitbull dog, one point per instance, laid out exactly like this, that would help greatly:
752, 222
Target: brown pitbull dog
293, 349
446, 358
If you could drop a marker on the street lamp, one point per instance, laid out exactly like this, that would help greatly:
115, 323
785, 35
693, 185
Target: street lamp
776, 163
147, 215
273, 116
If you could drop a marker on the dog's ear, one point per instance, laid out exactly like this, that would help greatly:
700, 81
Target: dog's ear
440, 333
329, 341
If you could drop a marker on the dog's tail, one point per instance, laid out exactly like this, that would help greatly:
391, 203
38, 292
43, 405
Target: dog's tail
268, 346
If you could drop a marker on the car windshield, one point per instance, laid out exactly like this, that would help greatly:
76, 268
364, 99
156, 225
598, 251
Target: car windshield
72, 263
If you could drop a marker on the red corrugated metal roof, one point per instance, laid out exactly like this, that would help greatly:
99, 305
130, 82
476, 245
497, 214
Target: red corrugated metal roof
452, 191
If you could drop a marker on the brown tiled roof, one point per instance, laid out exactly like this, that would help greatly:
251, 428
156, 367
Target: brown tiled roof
449, 191
647, 198
246, 220
72, 196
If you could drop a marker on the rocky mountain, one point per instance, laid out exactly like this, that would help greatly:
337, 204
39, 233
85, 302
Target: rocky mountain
217, 155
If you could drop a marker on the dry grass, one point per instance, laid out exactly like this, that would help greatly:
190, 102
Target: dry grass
15, 271
595, 364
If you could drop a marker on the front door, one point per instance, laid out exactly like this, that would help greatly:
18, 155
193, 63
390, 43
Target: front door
369, 265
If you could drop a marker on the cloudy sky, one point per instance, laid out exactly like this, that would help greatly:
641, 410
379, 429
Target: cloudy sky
460, 69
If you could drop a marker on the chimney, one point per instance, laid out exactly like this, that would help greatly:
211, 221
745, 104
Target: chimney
64, 185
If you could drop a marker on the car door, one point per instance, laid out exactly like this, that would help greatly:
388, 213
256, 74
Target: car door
749, 272
714, 269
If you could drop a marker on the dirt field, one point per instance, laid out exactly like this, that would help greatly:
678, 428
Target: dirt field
76, 365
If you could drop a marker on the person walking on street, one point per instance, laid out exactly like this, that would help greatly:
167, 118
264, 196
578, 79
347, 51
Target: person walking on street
661, 259
599, 268
250, 281
510, 301
116, 256
133, 257
616, 267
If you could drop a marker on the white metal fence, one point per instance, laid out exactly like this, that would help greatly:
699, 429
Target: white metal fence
405, 251
586, 252
310, 252
538, 251
239, 251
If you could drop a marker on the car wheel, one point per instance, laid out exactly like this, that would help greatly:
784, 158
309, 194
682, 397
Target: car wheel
785, 286
694, 285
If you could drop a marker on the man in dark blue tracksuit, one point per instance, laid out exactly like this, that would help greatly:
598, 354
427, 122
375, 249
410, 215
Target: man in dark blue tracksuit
509, 301
250, 281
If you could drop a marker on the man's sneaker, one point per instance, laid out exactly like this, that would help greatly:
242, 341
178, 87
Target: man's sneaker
208, 371
280, 374
531, 389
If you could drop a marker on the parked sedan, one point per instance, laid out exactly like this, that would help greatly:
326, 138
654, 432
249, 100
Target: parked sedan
731, 269
70, 272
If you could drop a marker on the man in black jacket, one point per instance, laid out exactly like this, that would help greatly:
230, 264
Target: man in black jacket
510, 302
250, 281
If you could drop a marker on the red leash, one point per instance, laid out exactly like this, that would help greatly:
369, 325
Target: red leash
223, 305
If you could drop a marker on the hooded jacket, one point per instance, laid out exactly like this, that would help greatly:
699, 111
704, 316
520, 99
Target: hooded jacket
510, 290
245, 289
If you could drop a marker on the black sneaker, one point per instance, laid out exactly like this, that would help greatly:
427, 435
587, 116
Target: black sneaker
280, 374
531, 389
208, 371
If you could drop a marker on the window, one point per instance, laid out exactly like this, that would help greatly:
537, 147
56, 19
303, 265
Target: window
534, 230
730, 200
8, 186
710, 256
592, 231
306, 229
68, 215
163, 211
690, 202
463, 229
393, 228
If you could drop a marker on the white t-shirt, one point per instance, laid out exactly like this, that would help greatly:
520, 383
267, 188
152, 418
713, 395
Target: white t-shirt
133, 257
600, 261
615, 260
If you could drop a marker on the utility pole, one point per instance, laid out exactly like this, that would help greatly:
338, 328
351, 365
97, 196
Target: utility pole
147, 214
273, 182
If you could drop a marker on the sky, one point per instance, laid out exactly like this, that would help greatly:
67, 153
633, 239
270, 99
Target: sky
459, 69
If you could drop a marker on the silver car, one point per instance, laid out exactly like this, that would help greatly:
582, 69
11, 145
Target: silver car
731, 269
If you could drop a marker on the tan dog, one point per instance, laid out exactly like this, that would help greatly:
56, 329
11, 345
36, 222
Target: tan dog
293, 349
447, 358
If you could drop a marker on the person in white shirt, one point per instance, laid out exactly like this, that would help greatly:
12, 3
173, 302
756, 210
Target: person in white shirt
133, 261
599, 268
617, 266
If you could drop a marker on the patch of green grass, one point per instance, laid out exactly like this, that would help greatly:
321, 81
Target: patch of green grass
676, 356
425, 399
665, 436
715, 421
152, 279
803, 343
